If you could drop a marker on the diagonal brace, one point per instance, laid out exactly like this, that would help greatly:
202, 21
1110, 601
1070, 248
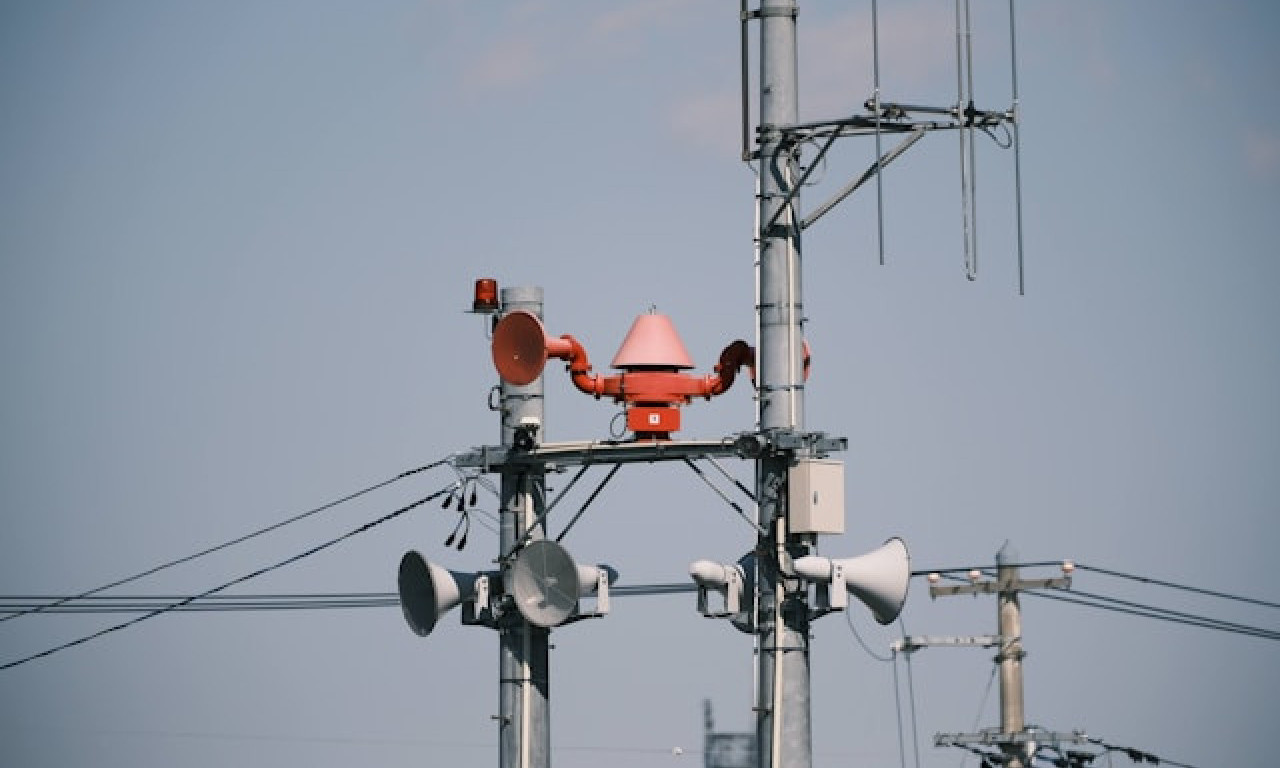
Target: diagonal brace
848, 189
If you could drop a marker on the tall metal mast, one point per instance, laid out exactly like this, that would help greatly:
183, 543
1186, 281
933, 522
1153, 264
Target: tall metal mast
782, 709
524, 690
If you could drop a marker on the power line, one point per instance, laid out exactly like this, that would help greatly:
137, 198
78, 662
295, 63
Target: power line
238, 540
949, 573
240, 580
1168, 611
911, 692
217, 603
1142, 610
1138, 755
1153, 612
982, 705
986, 567
1171, 585
848, 619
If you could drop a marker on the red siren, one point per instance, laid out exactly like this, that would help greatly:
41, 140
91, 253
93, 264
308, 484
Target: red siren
652, 359
521, 348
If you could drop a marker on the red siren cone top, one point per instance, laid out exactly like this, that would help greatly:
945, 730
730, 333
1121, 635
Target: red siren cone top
652, 342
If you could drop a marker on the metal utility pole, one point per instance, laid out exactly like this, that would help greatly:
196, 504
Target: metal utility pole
524, 680
1015, 739
783, 727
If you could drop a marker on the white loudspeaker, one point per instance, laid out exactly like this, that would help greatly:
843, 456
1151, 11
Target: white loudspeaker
547, 585
734, 582
428, 591
879, 579
723, 578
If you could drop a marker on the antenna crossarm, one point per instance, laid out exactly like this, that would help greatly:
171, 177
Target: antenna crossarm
895, 117
892, 118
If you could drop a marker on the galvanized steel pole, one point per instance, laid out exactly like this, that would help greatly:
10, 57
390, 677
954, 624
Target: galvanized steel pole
782, 707
524, 721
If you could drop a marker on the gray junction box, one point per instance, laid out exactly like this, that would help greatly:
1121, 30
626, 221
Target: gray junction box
815, 496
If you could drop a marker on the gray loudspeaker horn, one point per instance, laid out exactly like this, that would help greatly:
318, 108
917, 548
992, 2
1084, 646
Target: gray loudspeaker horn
428, 591
734, 582
547, 584
879, 578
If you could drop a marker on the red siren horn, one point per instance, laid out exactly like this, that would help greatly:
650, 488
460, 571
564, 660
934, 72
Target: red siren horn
519, 348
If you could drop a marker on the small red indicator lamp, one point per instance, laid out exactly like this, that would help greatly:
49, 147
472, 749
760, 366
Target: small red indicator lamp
486, 299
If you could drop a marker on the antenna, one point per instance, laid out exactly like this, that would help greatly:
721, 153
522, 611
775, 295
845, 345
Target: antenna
1014, 120
964, 112
875, 96
913, 121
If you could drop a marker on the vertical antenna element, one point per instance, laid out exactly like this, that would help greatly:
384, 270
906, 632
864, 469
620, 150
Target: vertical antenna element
743, 57
965, 112
1015, 118
875, 73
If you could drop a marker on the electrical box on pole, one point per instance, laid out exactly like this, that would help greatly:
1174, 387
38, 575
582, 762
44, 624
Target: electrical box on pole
815, 495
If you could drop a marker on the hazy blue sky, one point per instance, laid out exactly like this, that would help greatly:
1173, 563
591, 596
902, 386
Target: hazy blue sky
237, 240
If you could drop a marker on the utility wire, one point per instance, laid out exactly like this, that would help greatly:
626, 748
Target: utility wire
911, 692
1170, 612
982, 707
848, 619
967, 568
1171, 585
217, 603
897, 710
987, 569
1141, 610
1137, 755
212, 603
1152, 612
240, 580
225, 545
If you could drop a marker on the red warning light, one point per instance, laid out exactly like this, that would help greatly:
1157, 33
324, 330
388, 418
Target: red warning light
486, 299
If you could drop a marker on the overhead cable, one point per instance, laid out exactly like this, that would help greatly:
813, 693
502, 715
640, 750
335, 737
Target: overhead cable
848, 619
1108, 572
1183, 587
1138, 755
220, 603
226, 544
1153, 612
240, 580
911, 693
967, 568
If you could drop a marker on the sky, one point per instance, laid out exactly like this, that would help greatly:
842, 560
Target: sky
237, 247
